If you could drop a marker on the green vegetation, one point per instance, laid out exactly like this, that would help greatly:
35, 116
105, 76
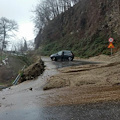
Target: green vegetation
84, 48
81, 29
1, 84
3, 57
9, 72
25, 59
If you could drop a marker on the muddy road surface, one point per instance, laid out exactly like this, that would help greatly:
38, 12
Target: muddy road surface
61, 64
28, 101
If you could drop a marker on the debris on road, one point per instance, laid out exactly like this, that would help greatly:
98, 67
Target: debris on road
30, 89
33, 71
3, 98
105, 73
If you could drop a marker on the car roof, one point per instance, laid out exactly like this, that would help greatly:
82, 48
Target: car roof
66, 50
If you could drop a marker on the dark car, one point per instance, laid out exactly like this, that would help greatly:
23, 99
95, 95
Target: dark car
62, 55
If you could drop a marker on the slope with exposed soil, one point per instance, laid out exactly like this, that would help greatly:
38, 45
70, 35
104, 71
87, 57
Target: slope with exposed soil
9, 71
14, 65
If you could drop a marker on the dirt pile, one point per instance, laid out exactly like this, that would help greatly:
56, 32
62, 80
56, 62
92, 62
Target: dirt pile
104, 58
87, 83
33, 71
106, 73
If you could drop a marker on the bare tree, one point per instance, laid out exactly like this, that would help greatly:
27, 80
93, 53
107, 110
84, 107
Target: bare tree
7, 28
25, 47
54, 8
64, 4
31, 45
42, 15
14, 47
49, 9
22, 46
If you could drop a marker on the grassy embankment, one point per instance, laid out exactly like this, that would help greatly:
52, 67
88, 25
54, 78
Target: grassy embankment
84, 48
9, 72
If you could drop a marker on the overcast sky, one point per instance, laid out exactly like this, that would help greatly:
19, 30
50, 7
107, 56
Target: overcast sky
20, 11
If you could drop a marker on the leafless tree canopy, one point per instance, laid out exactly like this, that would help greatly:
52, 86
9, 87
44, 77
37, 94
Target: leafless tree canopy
7, 28
49, 9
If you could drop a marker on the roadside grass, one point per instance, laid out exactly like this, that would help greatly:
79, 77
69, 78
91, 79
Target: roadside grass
9, 72
25, 59
81, 49
2, 57
84, 48
1, 84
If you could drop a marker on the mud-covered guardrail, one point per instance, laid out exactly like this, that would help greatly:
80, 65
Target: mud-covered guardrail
19, 76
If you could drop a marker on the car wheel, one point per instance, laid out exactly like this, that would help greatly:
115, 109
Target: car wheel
70, 58
54, 59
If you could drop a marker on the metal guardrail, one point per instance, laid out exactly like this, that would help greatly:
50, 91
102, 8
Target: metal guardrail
18, 76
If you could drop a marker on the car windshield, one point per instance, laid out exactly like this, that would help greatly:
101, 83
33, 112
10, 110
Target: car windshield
60, 53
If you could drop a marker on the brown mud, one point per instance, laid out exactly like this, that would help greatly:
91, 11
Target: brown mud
87, 83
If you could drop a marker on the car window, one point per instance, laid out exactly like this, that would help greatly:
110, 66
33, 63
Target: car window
67, 53
60, 53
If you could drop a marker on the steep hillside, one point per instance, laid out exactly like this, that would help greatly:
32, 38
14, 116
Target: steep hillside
13, 66
84, 29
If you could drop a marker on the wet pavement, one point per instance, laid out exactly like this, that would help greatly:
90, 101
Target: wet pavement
61, 64
20, 103
105, 111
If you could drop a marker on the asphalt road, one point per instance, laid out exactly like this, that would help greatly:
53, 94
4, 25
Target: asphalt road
19, 103
61, 64
103, 111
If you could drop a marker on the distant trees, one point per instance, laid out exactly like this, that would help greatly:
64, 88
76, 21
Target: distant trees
22, 46
7, 28
25, 47
49, 9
